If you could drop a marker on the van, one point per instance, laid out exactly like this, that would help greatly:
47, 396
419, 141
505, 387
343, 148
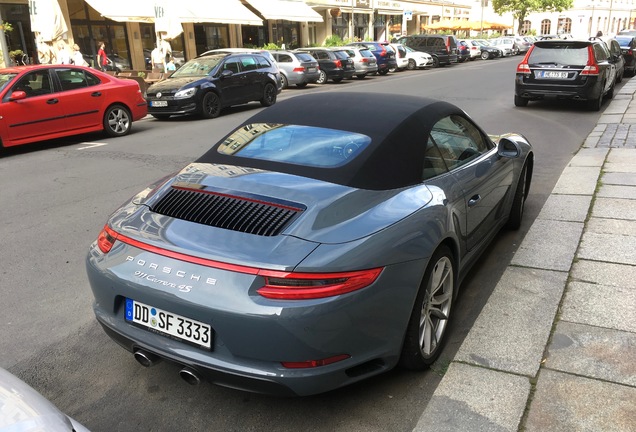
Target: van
443, 48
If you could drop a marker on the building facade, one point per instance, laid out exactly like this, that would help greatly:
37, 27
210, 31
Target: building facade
130, 31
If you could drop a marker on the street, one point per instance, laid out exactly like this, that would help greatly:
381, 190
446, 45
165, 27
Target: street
56, 197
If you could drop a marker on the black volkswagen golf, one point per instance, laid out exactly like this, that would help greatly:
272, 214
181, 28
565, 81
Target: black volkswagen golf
207, 84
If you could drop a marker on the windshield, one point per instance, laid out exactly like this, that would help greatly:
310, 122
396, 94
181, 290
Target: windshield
198, 67
5, 78
624, 40
298, 145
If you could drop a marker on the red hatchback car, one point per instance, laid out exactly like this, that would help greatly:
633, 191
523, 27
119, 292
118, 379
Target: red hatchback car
52, 101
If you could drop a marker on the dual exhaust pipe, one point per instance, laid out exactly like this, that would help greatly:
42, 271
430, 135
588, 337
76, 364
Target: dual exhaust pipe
147, 359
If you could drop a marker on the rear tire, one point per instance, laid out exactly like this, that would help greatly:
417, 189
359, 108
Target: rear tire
518, 202
322, 79
520, 101
435, 62
285, 81
117, 121
595, 104
485, 55
411, 65
269, 95
427, 327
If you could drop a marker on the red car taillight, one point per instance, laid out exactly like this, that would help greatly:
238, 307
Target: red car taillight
315, 363
299, 69
338, 63
364, 60
301, 286
592, 67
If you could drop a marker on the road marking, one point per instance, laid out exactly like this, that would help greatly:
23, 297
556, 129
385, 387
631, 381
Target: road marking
92, 145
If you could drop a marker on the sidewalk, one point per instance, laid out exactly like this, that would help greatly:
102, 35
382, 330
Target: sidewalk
554, 348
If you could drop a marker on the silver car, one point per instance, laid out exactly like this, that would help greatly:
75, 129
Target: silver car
319, 243
297, 68
363, 60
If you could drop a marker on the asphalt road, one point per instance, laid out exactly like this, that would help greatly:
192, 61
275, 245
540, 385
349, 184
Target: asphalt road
56, 196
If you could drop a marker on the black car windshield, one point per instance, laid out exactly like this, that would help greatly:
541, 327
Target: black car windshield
198, 67
5, 78
298, 145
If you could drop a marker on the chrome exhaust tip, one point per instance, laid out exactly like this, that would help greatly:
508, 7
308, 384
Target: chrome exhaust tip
190, 376
145, 358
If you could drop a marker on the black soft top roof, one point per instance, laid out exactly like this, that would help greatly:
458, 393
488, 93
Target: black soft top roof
398, 126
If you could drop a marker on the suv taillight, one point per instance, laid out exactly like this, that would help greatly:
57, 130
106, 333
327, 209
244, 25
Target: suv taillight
591, 68
524, 67
337, 63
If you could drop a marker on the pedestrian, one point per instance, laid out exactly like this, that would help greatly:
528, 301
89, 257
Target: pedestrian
170, 66
63, 56
599, 33
158, 60
78, 58
102, 58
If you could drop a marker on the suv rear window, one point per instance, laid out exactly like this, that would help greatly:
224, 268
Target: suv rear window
304, 57
562, 54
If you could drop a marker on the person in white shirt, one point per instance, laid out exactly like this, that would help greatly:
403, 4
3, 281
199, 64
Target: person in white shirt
77, 58
63, 56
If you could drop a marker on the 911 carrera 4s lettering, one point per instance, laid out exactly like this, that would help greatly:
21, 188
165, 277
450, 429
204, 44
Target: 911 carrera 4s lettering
167, 270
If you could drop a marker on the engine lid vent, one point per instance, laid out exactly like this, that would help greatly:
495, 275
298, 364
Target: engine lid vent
249, 215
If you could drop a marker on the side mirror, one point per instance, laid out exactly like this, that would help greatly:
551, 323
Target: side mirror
508, 148
226, 73
18, 95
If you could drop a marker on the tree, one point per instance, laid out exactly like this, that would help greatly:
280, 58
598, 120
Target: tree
522, 8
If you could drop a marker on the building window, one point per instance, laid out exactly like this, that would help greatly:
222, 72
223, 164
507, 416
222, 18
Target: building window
564, 26
211, 36
526, 26
546, 26
340, 25
286, 32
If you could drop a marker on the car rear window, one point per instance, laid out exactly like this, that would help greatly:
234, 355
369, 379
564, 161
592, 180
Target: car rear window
304, 57
298, 145
341, 55
624, 40
564, 54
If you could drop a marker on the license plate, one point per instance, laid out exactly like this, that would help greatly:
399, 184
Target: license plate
168, 323
553, 74
311, 69
159, 103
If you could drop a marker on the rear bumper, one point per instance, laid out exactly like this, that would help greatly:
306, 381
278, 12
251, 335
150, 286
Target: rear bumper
590, 90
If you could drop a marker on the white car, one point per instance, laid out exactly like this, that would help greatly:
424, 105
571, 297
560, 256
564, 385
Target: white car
400, 56
473, 48
505, 44
417, 59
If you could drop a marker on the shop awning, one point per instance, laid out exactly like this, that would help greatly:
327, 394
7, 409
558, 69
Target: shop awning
194, 11
289, 10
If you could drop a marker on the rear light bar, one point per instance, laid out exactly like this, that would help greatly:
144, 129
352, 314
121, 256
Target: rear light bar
279, 285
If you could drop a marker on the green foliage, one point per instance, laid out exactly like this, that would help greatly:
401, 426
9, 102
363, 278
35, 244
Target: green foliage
7, 27
334, 40
271, 46
141, 74
522, 8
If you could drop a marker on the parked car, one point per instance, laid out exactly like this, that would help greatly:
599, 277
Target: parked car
22, 408
521, 44
400, 57
417, 59
616, 56
297, 68
258, 266
364, 61
488, 51
384, 55
566, 69
443, 48
335, 65
506, 45
42, 102
628, 46
265, 53
205, 85
463, 51
474, 49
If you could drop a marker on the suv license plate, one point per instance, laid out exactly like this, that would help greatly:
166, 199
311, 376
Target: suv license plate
553, 74
159, 103
168, 323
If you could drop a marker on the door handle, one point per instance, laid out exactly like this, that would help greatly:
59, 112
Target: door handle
474, 200
96, 94
52, 101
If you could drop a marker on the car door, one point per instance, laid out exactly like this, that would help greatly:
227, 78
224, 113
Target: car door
232, 85
82, 97
39, 114
484, 178
254, 81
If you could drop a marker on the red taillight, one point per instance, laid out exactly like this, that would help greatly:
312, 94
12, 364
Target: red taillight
301, 286
630, 52
299, 69
315, 363
338, 63
592, 67
524, 67
106, 239
364, 60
